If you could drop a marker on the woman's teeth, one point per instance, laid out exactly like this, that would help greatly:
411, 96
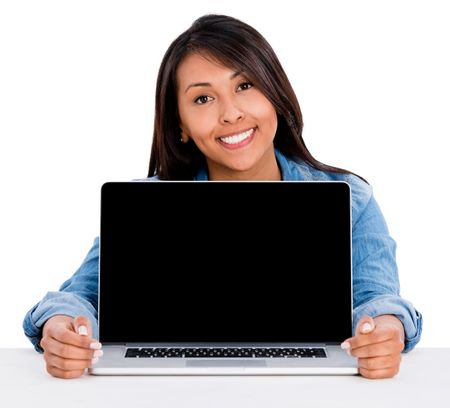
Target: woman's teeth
235, 139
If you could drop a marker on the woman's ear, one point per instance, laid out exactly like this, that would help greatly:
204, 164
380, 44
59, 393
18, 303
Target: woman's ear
184, 138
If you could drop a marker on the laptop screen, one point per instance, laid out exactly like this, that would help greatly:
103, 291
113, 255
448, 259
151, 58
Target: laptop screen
225, 262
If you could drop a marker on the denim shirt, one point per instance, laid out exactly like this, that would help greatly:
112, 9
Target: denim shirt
376, 288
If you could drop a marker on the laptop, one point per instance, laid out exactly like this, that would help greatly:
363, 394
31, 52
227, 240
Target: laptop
225, 278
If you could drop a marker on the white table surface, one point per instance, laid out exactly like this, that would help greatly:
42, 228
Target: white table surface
423, 381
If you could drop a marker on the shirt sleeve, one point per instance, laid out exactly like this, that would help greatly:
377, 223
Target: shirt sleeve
376, 287
77, 296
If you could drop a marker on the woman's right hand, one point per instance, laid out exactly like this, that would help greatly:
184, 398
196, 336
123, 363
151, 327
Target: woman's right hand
68, 346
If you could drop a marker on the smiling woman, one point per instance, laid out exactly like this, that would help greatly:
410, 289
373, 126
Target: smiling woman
222, 91
228, 119
225, 110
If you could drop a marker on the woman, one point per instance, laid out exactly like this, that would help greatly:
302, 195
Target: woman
226, 110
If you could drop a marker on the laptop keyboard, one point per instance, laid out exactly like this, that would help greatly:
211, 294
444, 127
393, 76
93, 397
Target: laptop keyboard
226, 352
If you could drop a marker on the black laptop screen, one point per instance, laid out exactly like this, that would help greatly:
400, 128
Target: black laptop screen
226, 262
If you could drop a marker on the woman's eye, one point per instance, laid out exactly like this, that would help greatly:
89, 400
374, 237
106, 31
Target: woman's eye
202, 99
245, 85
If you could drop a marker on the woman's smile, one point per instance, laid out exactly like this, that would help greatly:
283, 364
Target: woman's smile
237, 140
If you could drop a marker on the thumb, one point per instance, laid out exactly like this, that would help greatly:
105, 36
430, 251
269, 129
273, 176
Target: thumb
365, 325
82, 326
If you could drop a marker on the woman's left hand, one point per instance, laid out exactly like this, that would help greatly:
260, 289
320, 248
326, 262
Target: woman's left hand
377, 344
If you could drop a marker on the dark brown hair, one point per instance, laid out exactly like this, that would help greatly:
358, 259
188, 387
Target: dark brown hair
238, 46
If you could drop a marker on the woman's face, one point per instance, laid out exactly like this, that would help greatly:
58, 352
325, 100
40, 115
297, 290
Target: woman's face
230, 120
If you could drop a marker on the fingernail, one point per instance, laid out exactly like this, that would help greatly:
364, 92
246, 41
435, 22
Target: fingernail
95, 346
366, 327
98, 353
82, 330
94, 360
345, 345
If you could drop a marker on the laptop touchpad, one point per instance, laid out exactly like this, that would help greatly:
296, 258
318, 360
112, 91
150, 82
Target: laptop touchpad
225, 363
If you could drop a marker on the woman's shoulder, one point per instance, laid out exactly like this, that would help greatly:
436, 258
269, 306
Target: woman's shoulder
299, 170
153, 178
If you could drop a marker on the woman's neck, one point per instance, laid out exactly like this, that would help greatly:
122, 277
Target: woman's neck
266, 169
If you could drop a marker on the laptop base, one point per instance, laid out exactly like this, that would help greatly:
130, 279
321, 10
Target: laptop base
113, 362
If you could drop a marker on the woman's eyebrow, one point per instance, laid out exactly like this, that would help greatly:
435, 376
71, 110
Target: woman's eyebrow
232, 76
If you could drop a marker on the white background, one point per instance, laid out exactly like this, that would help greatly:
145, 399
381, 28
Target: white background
77, 83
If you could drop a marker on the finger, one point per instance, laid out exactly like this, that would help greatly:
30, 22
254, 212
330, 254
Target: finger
380, 363
379, 334
63, 350
382, 337
384, 348
63, 334
376, 337
57, 372
365, 325
377, 374
66, 364
82, 326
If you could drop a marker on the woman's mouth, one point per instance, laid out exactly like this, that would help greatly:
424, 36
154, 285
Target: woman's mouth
237, 140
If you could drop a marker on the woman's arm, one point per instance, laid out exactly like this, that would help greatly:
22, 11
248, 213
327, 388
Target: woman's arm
376, 287
76, 297
384, 324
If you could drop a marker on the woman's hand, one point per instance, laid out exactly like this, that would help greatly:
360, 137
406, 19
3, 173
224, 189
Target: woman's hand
68, 346
377, 344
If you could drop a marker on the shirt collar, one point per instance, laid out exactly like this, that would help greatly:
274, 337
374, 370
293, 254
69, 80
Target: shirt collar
289, 171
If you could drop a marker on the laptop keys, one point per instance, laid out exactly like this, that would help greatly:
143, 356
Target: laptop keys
225, 352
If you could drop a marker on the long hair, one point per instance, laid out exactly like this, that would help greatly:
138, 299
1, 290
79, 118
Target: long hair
240, 47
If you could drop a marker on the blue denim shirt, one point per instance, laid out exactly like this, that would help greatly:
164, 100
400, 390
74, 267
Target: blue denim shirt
376, 288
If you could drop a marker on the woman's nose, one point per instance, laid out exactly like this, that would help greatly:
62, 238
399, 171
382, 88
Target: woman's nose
231, 113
